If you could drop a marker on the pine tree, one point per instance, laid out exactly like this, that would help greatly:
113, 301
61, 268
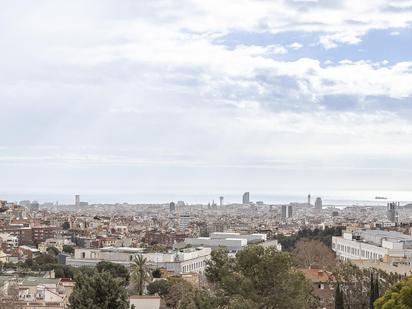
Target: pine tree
338, 297
99, 290
377, 294
374, 290
372, 296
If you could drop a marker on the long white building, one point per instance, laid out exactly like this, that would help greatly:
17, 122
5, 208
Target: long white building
376, 245
231, 241
179, 261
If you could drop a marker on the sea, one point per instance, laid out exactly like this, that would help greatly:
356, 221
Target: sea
335, 198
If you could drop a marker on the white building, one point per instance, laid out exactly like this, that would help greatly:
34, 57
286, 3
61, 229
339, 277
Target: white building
179, 261
144, 301
231, 241
376, 245
11, 241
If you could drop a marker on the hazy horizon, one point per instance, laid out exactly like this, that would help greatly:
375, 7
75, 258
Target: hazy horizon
338, 198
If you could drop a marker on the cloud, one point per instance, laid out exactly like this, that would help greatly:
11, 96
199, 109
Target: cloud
151, 88
296, 45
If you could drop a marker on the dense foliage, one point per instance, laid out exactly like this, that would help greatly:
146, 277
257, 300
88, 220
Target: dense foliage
116, 270
325, 236
360, 287
98, 291
258, 278
399, 296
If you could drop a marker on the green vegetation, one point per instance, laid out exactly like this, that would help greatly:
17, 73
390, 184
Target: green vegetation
338, 297
53, 251
66, 225
374, 290
116, 270
68, 249
356, 287
325, 236
98, 291
399, 296
140, 273
258, 278
156, 273
159, 287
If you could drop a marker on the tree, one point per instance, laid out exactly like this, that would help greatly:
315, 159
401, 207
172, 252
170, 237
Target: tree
356, 284
157, 273
99, 291
116, 270
159, 287
68, 249
66, 225
374, 290
179, 295
325, 236
259, 277
338, 297
53, 251
313, 252
45, 258
399, 296
140, 273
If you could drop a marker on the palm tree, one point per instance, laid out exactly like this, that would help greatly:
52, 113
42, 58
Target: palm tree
140, 272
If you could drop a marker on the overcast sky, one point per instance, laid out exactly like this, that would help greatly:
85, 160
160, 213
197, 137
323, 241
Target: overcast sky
198, 97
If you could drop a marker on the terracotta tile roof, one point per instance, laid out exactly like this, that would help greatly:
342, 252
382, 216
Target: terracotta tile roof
315, 275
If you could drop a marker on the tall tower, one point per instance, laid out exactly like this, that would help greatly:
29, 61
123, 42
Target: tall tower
172, 207
391, 214
77, 200
318, 203
309, 199
246, 198
287, 211
221, 201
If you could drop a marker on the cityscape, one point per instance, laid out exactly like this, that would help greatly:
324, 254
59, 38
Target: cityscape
236, 154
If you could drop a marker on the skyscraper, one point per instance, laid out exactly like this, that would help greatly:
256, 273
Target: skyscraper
221, 201
290, 211
318, 203
287, 211
246, 198
391, 214
77, 200
309, 199
172, 207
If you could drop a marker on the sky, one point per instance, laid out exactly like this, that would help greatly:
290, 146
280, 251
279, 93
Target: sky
157, 98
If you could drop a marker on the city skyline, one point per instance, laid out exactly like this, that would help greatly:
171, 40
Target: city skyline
135, 97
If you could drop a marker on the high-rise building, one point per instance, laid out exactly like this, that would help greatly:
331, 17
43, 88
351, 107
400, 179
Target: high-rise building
172, 207
184, 221
34, 206
287, 211
290, 211
77, 200
391, 213
318, 203
309, 199
246, 198
221, 201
